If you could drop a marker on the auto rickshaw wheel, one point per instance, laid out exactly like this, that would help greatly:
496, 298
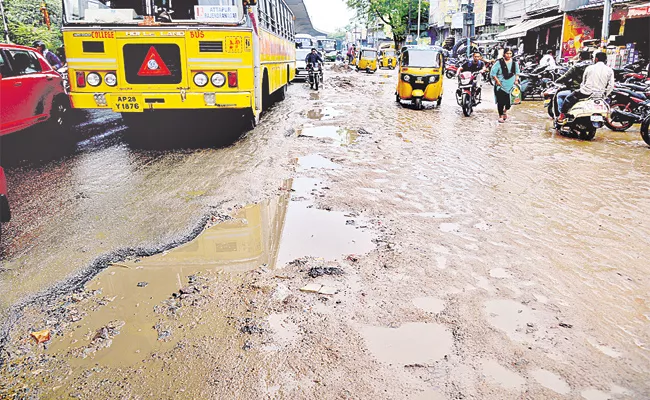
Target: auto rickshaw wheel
439, 102
417, 102
397, 99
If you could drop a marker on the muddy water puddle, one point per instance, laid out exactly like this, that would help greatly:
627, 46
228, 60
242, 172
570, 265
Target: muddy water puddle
149, 297
315, 161
337, 134
135, 311
411, 343
310, 231
323, 114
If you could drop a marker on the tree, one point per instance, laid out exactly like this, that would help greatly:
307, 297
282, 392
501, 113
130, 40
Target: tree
25, 22
394, 13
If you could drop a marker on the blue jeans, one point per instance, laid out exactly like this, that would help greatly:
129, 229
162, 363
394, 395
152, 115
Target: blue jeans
561, 96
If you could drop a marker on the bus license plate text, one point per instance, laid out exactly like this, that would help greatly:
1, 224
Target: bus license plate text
127, 104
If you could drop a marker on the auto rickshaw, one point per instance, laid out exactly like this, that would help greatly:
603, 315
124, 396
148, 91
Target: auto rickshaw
367, 60
388, 58
421, 70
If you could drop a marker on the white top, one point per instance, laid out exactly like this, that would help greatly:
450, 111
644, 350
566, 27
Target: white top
598, 79
547, 60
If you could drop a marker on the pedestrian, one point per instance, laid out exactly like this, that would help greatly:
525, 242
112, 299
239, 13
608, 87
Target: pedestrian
505, 74
51, 58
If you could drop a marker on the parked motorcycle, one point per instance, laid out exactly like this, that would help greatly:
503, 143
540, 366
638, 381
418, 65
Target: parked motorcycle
583, 119
451, 68
63, 71
629, 105
315, 75
534, 83
468, 94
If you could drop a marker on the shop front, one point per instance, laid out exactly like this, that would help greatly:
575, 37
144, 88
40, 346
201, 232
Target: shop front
537, 34
629, 32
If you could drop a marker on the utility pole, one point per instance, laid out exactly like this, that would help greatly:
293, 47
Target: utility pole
607, 15
419, 12
4, 22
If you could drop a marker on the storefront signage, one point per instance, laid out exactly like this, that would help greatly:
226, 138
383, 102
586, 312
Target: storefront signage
457, 21
575, 32
480, 9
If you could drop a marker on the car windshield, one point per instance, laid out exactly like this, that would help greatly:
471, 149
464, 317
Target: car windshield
301, 54
132, 11
389, 53
421, 58
369, 54
329, 45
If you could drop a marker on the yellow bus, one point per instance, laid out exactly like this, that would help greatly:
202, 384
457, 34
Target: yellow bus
142, 57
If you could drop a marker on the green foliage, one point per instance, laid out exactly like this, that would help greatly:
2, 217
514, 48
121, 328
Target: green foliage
26, 24
339, 34
394, 13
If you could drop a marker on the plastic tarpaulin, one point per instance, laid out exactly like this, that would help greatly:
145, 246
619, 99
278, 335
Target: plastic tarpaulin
521, 29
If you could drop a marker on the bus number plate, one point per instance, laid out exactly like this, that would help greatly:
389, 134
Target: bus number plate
128, 104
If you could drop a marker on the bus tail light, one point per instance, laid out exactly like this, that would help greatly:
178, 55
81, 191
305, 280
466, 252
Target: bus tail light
232, 79
81, 79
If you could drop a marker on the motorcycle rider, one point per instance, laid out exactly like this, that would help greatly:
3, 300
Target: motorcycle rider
597, 80
51, 58
573, 77
474, 65
313, 58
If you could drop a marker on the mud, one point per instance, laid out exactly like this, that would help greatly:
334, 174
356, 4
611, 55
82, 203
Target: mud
479, 260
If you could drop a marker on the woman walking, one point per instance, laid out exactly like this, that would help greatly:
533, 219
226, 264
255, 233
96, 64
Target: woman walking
505, 74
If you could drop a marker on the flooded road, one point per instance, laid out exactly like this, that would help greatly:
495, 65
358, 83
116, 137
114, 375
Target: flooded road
346, 247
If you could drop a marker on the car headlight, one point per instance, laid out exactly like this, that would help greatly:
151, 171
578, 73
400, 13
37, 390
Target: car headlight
200, 79
218, 79
93, 79
110, 79
407, 78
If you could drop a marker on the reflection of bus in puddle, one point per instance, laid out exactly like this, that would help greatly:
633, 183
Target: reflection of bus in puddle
247, 241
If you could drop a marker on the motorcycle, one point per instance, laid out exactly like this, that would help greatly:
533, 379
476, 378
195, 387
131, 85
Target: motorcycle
533, 84
629, 105
468, 94
583, 119
315, 75
63, 71
451, 67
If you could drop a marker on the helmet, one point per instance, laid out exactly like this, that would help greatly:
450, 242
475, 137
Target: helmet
38, 43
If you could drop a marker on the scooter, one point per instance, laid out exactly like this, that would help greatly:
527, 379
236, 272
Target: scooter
583, 119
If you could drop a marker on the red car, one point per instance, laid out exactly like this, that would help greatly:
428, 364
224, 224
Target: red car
32, 92
5, 214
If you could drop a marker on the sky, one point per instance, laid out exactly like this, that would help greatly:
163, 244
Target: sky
328, 15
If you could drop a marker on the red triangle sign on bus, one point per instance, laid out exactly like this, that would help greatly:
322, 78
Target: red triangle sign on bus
153, 65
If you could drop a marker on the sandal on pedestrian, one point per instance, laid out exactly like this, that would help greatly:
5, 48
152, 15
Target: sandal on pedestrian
501, 120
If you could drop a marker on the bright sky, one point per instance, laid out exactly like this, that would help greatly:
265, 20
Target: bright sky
328, 15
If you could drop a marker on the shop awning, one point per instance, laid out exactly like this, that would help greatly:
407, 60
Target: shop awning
521, 29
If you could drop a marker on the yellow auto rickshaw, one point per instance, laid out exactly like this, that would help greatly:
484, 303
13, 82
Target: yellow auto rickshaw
388, 58
367, 60
420, 75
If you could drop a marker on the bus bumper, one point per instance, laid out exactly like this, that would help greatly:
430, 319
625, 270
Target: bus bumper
138, 102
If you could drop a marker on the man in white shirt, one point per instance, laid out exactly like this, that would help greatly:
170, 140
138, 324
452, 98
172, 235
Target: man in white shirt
598, 80
548, 60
